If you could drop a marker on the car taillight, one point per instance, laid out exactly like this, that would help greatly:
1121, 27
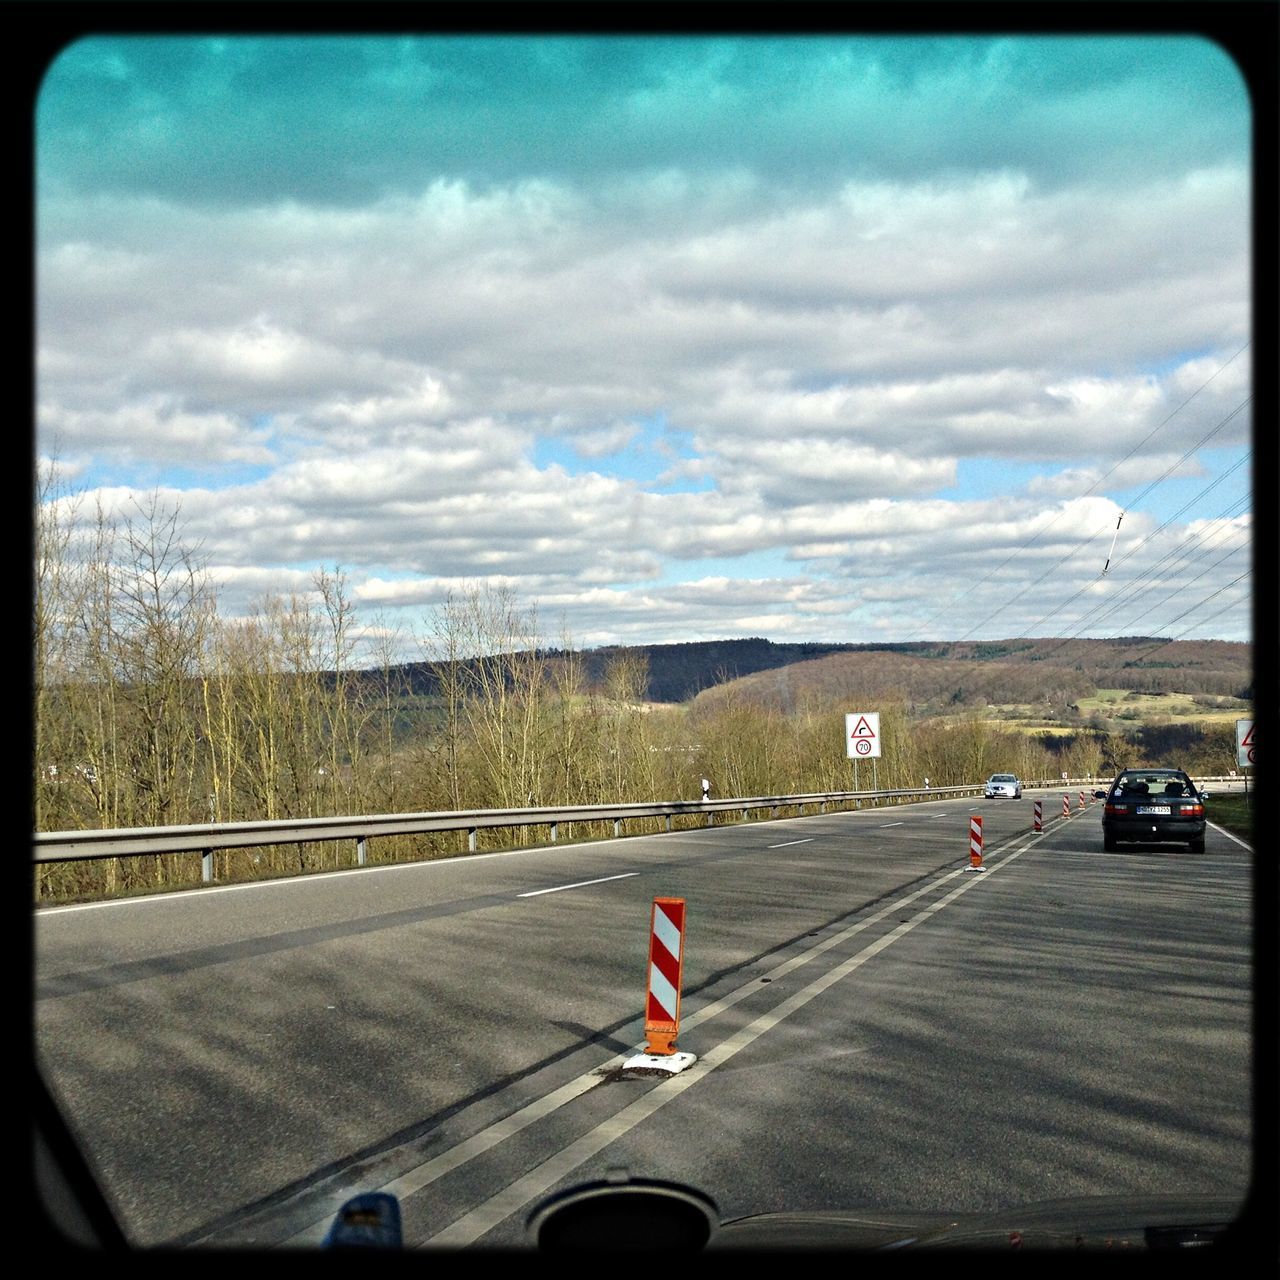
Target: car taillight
1114, 810
1192, 810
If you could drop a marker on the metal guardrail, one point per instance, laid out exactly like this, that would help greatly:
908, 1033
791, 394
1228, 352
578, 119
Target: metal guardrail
207, 838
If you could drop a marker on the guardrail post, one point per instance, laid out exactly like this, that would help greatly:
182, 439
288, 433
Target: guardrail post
471, 839
206, 865
553, 833
617, 827
668, 820
362, 852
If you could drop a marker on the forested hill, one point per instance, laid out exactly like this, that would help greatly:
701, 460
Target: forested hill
678, 672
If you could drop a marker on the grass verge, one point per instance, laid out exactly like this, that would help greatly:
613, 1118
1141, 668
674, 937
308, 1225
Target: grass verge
1233, 812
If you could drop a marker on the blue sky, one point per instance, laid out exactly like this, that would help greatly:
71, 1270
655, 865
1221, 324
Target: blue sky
681, 338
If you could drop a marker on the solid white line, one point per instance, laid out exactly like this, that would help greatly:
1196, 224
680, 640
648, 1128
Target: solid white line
1223, 831
885, 825
423, 1175
277, 882
469, 1228
578, 885
789, 843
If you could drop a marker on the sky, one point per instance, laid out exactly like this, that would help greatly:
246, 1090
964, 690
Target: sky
838, 339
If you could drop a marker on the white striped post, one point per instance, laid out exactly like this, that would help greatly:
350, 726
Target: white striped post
1066, 806
666, 962
1037, 824
975, 844
1082, 800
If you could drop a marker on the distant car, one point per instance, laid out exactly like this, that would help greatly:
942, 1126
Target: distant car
1004, 784
1153, 806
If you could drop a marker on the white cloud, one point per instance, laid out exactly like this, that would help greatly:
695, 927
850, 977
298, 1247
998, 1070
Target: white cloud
829, 355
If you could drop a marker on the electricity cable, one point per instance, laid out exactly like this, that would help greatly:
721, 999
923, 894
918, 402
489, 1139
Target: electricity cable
1101, 479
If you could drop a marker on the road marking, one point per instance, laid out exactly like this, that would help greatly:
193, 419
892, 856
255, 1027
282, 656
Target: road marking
578, 885
789, 843
1225, 832
277, 882
429, 1171
484, 1217
885, 825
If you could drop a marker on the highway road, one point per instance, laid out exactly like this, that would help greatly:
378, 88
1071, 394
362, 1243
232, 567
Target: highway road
874, 1024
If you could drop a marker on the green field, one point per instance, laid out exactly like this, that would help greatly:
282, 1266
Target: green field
1233, 811
1124, 704
1121, 710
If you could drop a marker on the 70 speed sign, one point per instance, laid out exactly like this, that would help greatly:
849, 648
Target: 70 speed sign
862, 735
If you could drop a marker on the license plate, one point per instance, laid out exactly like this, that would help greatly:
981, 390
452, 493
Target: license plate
1154, 808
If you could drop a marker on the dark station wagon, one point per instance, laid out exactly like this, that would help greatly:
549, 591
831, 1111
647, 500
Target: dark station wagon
1153, 806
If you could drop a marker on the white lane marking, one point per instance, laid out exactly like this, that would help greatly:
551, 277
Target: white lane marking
423, 1175
789, 843
560, 888
471, 1226
885, 825
278, 882
1223, 831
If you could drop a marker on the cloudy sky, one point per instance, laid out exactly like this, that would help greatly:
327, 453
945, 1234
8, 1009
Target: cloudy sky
836, 339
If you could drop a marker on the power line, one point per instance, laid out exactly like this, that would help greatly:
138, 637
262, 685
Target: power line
1076, 551
1179, 554
1226, 587
1132, 552
1101, 479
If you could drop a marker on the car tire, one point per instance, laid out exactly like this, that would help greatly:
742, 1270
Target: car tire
1108, 843
1197, 846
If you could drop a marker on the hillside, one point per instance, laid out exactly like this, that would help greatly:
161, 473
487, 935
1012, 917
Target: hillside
931, 676
1053, 674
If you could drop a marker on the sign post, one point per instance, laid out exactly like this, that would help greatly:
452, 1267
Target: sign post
862, 742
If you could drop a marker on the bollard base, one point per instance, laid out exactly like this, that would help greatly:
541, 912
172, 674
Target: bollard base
671, 1063
975, 868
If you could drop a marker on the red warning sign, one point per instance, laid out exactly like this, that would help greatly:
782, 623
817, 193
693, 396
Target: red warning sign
862, 734
1245, 749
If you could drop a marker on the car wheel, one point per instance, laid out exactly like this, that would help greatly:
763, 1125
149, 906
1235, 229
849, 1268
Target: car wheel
1197, 846
1108, 843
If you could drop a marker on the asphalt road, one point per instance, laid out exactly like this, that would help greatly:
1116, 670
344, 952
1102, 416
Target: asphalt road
875, 1025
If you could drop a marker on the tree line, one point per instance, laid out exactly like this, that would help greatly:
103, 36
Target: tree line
151, 708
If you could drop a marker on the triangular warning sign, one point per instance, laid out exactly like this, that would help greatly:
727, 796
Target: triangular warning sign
862, 729
1247, 740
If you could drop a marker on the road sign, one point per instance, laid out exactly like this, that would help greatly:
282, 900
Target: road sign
862, 735
1244, 743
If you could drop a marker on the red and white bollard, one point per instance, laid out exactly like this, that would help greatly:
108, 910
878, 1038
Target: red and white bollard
1083, 801
666, 963
1037, 824
1066, 806
662, 999
975, 844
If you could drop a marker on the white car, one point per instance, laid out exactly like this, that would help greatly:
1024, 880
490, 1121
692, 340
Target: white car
1004, 784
